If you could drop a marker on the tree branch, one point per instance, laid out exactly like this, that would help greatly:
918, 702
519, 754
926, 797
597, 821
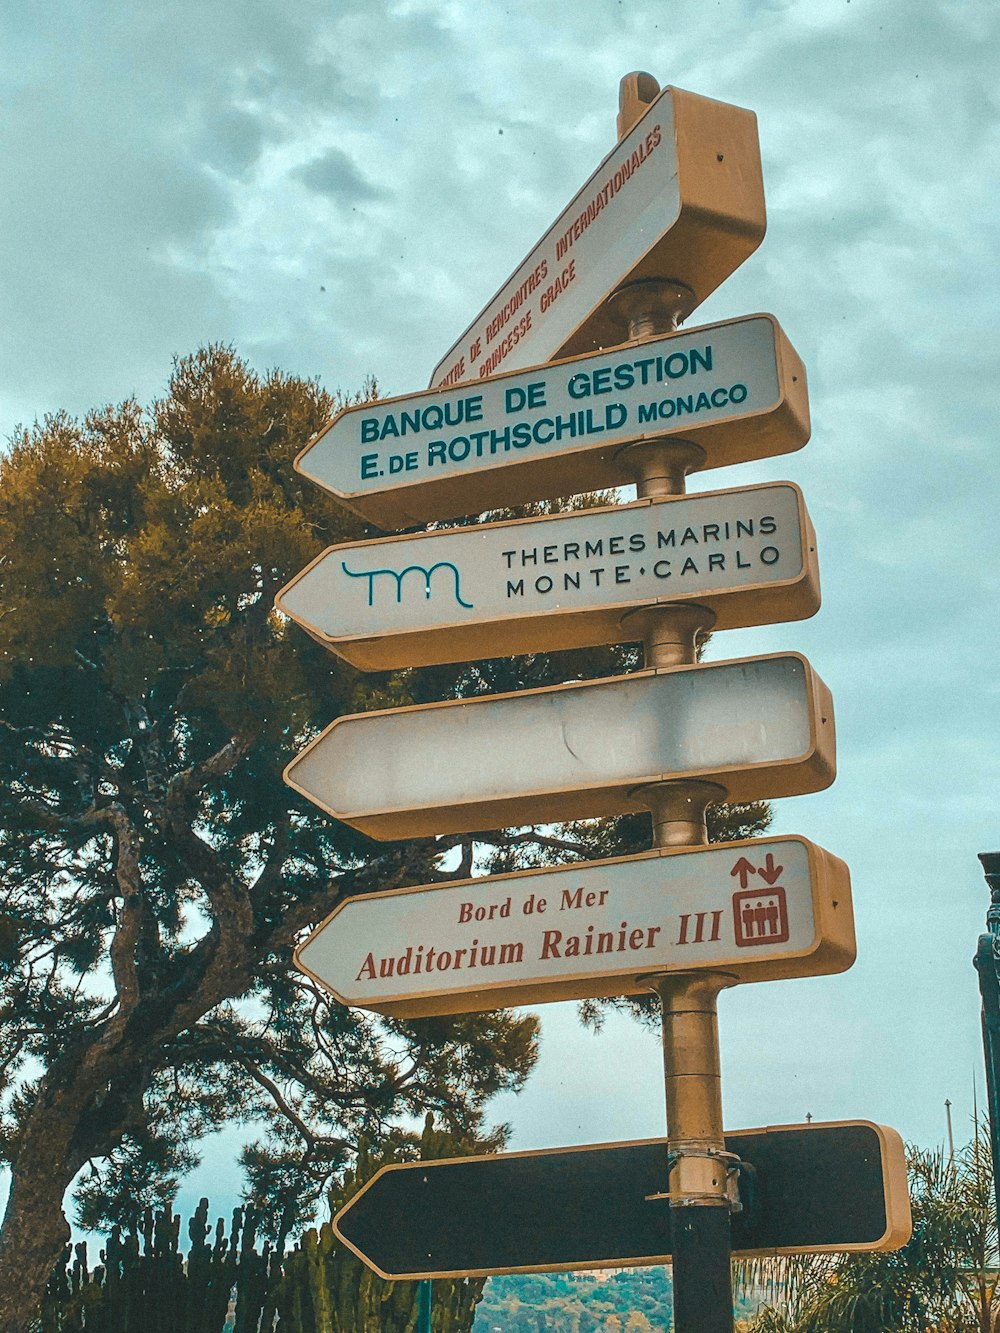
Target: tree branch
500, 838
130, 918
269, 878
193, 779
311, 1138
320, 903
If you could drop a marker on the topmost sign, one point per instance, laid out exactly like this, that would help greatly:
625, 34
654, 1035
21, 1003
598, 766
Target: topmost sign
680, 197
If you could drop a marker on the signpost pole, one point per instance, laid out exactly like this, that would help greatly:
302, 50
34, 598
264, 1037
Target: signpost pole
700, 1168
701, 1242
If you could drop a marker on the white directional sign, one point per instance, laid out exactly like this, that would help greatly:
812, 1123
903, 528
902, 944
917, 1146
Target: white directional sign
564, 581
760, 726
679, 197
737, 389
762, 910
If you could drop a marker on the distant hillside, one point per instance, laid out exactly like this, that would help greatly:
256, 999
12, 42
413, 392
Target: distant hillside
634, 1301
628, 1301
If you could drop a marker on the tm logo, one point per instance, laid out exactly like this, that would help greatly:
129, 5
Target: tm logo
399, 576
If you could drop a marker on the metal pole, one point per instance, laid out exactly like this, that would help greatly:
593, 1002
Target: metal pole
702, 1174
701, 1169
424, 1307
987, 964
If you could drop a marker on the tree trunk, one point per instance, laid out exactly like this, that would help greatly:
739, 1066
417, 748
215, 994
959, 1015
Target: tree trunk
84, 1104
34, 1229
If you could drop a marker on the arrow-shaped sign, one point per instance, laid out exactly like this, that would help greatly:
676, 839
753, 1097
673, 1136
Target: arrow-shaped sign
761, 727
817, 1187
737, 389
582, 931
563, 581
680, 197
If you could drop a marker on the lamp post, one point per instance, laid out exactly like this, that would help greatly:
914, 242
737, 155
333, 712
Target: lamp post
987, 964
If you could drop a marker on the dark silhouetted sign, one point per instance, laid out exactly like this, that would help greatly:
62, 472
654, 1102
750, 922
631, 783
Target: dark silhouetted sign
837, 1186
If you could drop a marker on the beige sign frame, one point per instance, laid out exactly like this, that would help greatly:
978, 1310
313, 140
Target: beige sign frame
811, 770
557, 627
832, 948
781, 426
714, 221
899, 1224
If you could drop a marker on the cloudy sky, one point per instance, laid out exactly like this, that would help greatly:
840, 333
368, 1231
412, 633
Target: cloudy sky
337, 188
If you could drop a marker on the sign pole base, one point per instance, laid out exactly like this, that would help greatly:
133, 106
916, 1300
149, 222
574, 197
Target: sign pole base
702, 1281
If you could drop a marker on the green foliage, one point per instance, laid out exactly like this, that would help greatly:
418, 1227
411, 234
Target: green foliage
144, 1284
155, 872
327, 1289
630, 1301
627, 1301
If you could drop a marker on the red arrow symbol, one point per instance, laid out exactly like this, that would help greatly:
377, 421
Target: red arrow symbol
770, 872
744, 869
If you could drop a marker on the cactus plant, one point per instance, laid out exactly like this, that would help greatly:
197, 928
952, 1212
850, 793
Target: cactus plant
144, 1284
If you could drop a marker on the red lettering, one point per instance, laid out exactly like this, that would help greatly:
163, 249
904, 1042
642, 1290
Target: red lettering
555, 289
608, 190
456, 372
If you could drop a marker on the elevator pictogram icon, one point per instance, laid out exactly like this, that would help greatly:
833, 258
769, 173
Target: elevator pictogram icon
760, 917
